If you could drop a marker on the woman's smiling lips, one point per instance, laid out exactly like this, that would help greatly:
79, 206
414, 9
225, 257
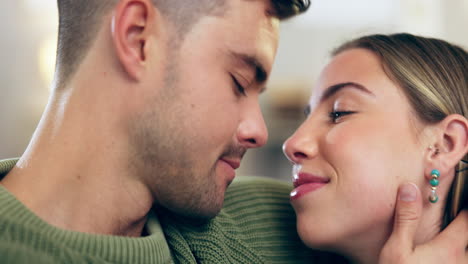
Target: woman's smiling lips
305, 183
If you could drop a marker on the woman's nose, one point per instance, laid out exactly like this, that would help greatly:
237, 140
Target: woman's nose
300, 146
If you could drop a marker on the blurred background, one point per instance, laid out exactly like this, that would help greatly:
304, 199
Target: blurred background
28, 41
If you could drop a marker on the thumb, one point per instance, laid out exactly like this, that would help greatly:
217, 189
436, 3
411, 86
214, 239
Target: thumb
407, 214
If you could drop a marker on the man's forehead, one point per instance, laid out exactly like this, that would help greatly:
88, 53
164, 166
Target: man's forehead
254, 35
260, 8
269, 9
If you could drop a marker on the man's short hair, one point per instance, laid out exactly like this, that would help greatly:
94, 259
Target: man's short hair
80, 20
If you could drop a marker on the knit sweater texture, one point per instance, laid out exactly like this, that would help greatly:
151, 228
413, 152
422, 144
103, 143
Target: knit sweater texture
256, 225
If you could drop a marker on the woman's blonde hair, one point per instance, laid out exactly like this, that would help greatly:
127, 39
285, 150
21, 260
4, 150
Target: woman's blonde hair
434, 76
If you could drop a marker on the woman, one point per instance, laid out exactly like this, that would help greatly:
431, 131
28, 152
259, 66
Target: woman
386, 110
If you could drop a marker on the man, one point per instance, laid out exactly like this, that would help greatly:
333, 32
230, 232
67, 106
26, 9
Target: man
154, 105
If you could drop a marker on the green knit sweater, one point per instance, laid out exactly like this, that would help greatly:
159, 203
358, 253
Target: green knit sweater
256, 225
25, 238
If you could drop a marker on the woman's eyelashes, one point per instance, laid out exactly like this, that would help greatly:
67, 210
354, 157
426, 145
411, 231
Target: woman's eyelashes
239, 88
336, 116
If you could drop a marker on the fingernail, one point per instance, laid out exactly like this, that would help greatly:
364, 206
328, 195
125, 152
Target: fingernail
407, 192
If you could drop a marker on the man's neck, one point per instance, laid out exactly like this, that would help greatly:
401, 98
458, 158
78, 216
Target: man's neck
74, 177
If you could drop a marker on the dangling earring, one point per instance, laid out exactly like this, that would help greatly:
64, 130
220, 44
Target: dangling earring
434, 182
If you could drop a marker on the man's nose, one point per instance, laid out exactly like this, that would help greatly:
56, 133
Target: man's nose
252, 131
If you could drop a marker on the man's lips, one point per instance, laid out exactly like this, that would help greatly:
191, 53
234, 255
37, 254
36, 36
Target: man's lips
306, 178
234, 163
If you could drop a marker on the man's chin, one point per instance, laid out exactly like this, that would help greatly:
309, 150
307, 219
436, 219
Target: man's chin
207, 212
195, 218
201, 212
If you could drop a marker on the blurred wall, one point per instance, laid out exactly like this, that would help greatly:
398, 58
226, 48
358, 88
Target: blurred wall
27, 46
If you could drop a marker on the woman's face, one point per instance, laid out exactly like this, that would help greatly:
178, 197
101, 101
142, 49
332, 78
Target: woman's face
357, 145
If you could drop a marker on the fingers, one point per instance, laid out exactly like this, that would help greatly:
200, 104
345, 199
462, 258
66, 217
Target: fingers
450, 246
407, 215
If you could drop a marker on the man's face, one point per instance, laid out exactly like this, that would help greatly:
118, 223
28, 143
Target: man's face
191, 135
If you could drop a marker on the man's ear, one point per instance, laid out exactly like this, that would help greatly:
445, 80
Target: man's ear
132, 23
451, 142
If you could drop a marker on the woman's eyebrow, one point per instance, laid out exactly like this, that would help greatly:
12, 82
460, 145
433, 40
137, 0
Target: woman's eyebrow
333, 89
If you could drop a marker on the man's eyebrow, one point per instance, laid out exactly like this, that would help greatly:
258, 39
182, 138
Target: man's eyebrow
254, 63
330, 91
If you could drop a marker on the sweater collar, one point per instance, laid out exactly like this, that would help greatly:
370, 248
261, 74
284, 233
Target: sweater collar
115, 249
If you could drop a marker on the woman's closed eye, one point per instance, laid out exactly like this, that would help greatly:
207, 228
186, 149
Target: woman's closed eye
335, 116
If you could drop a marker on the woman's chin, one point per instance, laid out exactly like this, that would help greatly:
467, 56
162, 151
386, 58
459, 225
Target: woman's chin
316, 237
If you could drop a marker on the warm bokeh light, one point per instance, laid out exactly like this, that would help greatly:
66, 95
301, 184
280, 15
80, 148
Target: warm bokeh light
40, 5
41, 13
46, 59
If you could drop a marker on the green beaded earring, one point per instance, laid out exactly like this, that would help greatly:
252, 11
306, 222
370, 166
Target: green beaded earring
434, 182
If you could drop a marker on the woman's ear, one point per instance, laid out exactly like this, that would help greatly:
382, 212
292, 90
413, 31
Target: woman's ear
132, 23
451, 143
